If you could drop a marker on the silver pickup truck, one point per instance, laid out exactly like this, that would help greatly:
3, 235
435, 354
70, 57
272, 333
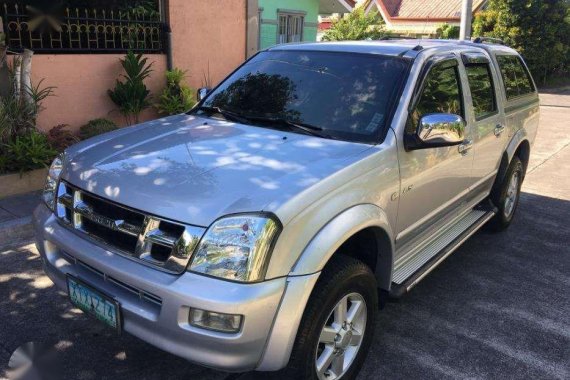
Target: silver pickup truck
264, 229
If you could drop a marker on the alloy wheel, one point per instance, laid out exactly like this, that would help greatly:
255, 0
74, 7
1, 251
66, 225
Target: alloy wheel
512, 195
341, 337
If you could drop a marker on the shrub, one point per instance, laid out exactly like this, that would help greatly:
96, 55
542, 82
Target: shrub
96, 127
356, 26
27, 152
60, 138
177, 97
141, 9
448, 32
132, 95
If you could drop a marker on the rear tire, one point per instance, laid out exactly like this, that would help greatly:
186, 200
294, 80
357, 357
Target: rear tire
338, 324
507, 196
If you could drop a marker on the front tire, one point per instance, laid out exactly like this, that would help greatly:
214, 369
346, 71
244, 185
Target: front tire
506, 199
338, 324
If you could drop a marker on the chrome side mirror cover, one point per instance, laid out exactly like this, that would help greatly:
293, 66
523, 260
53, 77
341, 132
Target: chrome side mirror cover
202, 92
437, 130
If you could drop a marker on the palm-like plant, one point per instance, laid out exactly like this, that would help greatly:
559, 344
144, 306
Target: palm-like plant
177, 97
19, 110
132, 95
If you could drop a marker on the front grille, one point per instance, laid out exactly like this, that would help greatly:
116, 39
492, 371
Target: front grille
154, 241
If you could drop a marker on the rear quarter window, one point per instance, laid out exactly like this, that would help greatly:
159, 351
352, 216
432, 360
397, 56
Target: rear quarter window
482, 90
516, 77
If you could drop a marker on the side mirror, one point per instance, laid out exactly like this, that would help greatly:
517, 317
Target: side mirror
202, 92
437, 130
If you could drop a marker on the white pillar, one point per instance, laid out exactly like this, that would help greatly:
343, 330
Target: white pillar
26, 75
466, 16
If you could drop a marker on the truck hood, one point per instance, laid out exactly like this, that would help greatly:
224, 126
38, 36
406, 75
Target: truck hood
195, 170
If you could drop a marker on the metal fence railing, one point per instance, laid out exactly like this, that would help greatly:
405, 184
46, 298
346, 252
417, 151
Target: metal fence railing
82, 31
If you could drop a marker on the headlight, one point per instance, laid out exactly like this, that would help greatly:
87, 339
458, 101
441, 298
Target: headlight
50, 188
236, 248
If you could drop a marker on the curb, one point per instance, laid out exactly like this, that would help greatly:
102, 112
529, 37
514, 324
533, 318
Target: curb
16, 231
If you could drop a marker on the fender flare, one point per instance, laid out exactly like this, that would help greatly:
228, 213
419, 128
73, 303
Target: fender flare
519, 136
338, 230
305, 273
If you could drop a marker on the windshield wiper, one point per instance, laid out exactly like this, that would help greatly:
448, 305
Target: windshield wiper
309, 129
305, 127
228, 115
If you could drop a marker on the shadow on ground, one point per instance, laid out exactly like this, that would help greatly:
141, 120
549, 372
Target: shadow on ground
498, 308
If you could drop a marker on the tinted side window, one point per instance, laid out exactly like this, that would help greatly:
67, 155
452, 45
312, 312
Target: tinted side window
482, 90
441, 94
516, 77
524, 82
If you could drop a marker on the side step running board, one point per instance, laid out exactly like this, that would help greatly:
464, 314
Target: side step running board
426, 260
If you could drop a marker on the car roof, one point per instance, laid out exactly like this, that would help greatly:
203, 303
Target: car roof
392, 47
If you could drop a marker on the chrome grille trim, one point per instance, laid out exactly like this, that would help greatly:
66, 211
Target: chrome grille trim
74, 210
118, 225
162, 238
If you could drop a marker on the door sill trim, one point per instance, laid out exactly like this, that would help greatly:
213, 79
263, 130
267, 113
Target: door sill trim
398, 290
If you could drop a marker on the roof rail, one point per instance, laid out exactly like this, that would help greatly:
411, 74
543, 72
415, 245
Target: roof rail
387, 38
482, 40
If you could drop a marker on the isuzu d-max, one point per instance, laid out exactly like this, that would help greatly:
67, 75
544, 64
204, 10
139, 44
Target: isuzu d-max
263, 229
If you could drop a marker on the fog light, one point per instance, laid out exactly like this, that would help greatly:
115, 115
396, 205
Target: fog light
228, 323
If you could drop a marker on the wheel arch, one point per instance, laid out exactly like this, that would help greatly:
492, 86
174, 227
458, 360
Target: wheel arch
364, 219
363, 232
518, 146
523, 153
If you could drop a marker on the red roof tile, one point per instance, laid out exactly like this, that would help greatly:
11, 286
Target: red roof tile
425, 9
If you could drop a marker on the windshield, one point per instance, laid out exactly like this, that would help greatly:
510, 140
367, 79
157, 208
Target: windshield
346, 96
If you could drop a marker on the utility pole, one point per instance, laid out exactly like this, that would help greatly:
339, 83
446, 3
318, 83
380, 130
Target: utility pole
466, 16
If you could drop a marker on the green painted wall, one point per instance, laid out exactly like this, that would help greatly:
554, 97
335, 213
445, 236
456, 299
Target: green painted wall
268, 27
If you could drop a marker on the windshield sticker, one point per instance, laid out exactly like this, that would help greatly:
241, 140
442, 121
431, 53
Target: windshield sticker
375, 122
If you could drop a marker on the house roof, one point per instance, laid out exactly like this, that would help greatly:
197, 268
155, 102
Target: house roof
424, 10
336, 6
325, 24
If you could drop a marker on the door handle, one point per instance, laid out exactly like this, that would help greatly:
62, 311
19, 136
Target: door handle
464, 147
499, 129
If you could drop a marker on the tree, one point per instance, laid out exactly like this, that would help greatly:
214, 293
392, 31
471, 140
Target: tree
356, 26
535, 28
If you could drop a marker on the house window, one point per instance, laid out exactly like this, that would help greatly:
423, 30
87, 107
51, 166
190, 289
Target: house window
290, 27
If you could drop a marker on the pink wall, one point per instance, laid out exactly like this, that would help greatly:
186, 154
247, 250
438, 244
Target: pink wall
207, 36
207, 33
82, 81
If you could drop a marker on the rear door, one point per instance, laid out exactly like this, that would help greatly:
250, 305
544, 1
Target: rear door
521, 103
486, 120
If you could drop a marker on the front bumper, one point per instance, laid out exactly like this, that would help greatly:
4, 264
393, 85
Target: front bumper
155, 305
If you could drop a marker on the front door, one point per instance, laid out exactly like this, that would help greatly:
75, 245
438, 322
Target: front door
434, 181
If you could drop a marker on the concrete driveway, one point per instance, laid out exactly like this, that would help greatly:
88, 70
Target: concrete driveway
498, 308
